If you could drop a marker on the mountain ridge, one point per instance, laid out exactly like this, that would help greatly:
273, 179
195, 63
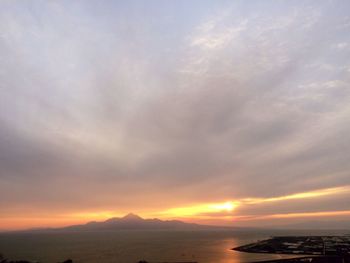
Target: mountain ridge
132, 221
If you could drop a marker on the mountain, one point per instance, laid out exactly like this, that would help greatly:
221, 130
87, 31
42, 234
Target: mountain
130, 222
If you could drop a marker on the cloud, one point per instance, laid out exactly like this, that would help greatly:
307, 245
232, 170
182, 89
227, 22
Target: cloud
144, 111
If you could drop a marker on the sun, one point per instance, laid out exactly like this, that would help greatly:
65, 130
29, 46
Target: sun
227, 206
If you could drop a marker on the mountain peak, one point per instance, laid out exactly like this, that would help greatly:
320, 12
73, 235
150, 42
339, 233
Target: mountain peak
132, 216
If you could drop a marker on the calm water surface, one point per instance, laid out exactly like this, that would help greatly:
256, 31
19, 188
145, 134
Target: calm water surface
131, 246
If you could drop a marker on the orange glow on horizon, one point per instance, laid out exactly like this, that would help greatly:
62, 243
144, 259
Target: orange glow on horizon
216, 212
198, 209
310, 194
294, 215
201, 211
97, 216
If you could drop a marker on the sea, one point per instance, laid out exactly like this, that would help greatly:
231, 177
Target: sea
131, 246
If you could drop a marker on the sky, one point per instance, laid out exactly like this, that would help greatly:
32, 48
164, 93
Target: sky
218, 112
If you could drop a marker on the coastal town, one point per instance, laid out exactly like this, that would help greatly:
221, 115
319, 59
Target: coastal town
330, 248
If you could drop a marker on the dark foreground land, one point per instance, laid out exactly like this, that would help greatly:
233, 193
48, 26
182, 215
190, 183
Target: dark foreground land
320, 249
3, 260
